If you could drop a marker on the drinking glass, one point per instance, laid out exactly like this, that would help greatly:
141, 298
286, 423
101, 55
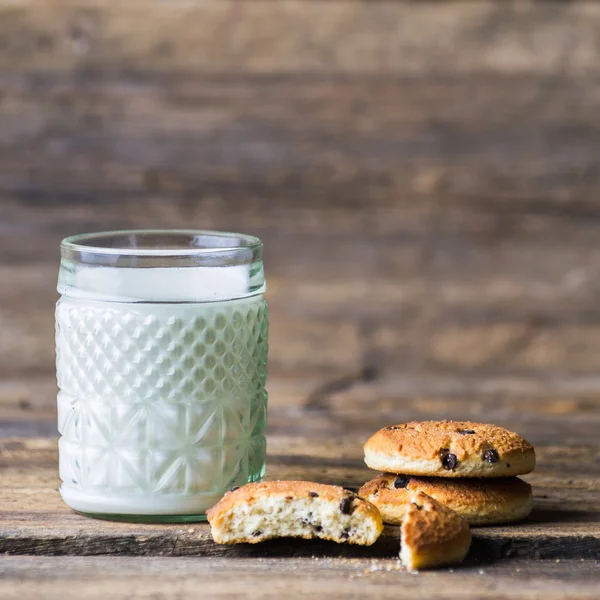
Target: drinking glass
161, 356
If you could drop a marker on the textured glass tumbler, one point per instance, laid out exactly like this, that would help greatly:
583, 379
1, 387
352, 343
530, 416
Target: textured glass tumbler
161, 355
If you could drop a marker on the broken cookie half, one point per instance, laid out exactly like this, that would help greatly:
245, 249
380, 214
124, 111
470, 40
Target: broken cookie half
260, 511
432, 535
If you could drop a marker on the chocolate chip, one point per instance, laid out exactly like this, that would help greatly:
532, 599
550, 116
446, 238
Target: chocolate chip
449, 460
345, 506
308, 519
466, 431
289, 497
256, 533
393, 427
237, 487
401, 481
346, 533
418, 506
490, 456
313, 494
318, 528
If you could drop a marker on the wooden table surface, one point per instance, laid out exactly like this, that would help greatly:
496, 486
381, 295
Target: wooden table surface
425, 178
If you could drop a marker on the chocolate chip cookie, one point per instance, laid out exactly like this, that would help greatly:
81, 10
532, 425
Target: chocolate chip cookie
479, 501
260, 511
432, 535
449, 449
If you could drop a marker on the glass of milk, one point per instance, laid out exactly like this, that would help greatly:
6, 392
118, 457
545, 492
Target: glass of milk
161, 354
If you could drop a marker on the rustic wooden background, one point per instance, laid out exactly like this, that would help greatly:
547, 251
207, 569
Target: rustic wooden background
416, 170
426, 179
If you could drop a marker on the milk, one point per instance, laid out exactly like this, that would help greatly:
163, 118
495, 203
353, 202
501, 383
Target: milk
162, 406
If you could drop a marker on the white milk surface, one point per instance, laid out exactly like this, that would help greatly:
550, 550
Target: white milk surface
161, 284
162, 406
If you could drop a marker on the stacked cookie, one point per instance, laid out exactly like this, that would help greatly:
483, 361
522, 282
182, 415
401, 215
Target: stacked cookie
442, 476
468, 467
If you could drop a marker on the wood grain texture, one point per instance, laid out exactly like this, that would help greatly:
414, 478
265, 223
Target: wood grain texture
395, 214
441, 299
65, 578
277, 139
560, 409
299, 36
424, 176
33, 519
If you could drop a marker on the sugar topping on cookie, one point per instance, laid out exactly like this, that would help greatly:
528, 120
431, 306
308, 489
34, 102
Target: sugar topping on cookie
449, 449
432, 535
479, 501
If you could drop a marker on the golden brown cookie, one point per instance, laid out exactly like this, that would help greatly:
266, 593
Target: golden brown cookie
449, 449
261, 511
432, 535
479, 501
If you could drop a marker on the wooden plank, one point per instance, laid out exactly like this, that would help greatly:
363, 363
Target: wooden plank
281, 141
493, 323
439, 298
33, 519
410, 222
346, 36
63, 578
561, 407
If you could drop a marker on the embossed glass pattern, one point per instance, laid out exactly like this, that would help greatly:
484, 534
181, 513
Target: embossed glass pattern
162, 405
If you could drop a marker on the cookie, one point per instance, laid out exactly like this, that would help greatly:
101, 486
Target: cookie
432, 535
260, 511
479, 501
449, 449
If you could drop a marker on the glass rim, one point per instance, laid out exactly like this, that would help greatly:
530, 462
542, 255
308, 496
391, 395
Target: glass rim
77, 243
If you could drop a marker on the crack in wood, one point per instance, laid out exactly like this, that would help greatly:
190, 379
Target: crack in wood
318, 399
